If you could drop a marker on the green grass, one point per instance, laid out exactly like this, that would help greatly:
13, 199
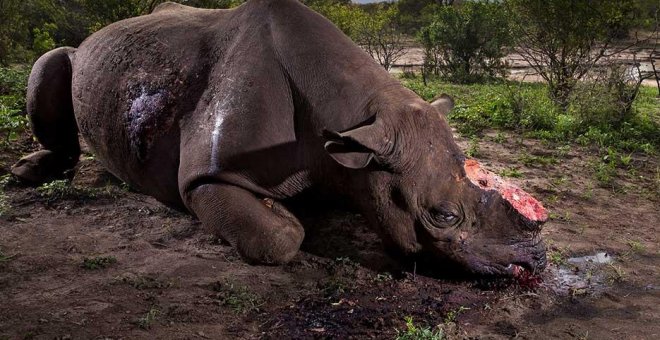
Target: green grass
98, 262
237, 297
413, 332
537, 161
5, 205
65, 190
636, 246
144, 281
148, 319
511, 172
526, 109
4, 257
556, 257
473, 148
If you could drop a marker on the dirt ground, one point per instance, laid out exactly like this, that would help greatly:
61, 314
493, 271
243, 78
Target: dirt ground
104, 262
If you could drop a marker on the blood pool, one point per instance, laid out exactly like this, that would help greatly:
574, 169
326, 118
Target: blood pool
523, 202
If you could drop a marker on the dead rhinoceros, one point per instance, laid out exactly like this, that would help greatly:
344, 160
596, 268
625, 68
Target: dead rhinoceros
227, 112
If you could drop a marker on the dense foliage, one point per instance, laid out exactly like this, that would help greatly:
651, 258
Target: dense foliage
13, 83
32, 27
467, 43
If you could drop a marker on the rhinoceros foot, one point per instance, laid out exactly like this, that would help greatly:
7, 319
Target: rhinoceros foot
42, 166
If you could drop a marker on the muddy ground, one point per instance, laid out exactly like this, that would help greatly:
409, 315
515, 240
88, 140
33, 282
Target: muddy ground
103, 262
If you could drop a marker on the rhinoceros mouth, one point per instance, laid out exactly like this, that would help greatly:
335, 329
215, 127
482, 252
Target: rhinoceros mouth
530, 260
513, 269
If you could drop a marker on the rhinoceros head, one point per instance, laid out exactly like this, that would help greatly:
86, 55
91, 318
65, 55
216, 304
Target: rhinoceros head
424, 196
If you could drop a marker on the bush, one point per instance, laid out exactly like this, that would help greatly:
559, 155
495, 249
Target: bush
43, 39
466, 43
525, 108
13, 83
563, 40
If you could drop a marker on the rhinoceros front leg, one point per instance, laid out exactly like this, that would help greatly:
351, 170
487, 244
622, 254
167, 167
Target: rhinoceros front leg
262, 230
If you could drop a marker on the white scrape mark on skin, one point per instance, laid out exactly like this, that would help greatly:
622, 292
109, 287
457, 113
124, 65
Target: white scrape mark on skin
221, 110
220, 114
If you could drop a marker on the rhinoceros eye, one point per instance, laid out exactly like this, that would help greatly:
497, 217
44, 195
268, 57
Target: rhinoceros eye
443, 217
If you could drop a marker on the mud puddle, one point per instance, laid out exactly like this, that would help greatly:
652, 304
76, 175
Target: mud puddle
583, 275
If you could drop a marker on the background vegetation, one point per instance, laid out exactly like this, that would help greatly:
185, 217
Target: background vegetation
586, 96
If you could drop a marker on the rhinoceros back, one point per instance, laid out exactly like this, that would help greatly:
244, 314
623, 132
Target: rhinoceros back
133, 82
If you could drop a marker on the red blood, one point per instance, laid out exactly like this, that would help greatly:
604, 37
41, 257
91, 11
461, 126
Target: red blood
528, 280
523, 202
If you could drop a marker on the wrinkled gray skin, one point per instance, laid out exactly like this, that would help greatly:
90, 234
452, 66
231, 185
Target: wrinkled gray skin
226, 112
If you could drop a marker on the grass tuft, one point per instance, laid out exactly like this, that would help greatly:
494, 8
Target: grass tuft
98, 262
148, 319
238, 298
413, 332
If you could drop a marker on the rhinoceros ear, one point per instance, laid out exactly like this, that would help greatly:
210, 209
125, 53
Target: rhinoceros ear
354, 148
443, 103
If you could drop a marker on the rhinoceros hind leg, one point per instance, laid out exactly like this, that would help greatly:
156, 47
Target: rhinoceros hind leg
50, 109
41, 166
262, 230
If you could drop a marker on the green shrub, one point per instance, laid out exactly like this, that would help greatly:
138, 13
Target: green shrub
465, 43
13, 84
525, 108
43, 38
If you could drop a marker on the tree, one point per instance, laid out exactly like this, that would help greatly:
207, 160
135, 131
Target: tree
378, 35
466, 43
374, 31
562, 40
345, 16
10, 34
411, 16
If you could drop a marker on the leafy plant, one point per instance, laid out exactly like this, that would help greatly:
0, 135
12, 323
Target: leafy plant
556, 257
473, 148
413, 332
453, 314
13, 83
